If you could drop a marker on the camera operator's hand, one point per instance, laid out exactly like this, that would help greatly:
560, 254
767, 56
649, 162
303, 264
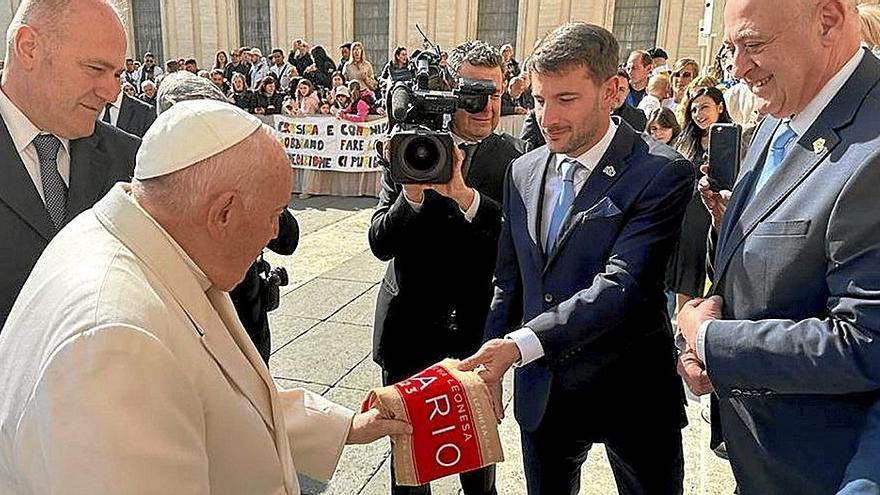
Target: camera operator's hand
415, 193
456, 189
716, 202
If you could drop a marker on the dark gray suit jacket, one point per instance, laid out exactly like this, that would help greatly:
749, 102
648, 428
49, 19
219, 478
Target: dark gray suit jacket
96, 163
135, 116
795, 361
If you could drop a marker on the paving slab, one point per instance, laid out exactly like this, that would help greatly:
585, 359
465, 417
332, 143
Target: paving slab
363, 267
317, 388
366, 376
361, 311
322, 355
320, 298
324, 249
285, 327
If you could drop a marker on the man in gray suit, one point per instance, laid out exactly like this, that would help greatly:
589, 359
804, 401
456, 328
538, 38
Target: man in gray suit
789, 340
55, 161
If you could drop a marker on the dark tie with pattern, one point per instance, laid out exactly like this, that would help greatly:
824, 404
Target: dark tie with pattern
54, 188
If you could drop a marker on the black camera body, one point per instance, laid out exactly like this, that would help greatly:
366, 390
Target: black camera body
419, 114
271, 281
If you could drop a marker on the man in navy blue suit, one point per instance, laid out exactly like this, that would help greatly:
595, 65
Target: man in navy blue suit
590, 221
789, 342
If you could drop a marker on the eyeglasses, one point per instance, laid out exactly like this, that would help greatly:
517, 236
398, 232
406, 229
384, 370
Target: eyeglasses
684, 74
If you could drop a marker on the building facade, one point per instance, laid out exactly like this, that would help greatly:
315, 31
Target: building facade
199, 28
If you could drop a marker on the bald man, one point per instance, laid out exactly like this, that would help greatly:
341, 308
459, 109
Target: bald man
789, 342
63, 65
142, 380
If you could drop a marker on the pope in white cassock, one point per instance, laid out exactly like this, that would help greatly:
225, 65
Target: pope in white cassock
124, 368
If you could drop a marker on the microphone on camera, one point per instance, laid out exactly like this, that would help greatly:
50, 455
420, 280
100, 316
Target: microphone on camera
399, 98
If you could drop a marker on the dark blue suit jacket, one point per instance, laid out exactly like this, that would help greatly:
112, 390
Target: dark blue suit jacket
596, 302
795, 361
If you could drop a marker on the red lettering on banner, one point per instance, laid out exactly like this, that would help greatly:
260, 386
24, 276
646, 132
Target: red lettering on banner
443, 440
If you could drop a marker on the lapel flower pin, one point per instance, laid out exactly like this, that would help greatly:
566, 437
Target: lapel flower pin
819, 145
609, 171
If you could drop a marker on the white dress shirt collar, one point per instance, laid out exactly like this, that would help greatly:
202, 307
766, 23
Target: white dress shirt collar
802, 122
21, 129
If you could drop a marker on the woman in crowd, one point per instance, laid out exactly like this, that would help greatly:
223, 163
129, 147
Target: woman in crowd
663, 126
511, 66
357, 109
268, 100
220, 60
306, 101
358, 68
398, 68
683, 72
239, 94
686, 275
322, 68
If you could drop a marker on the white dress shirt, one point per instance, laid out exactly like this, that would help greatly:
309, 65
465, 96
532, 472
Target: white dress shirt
529, 345
23, 132
114, 110
800, 124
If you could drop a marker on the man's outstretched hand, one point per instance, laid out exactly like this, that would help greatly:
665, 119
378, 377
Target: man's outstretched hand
492, 360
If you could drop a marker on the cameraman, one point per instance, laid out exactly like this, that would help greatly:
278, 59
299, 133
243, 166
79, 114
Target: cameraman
441, 240
250, 296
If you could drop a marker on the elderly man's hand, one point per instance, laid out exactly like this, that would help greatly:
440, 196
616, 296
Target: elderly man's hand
693, 371
716, 202
694, 313
367, 427
492, 360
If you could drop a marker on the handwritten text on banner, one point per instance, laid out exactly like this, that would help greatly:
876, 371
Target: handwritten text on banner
328, 143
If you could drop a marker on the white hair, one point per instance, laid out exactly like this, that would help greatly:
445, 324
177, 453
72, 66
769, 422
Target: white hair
183, 85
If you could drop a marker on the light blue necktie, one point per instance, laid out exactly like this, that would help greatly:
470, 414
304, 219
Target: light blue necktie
775, 155
563, 202
54, 188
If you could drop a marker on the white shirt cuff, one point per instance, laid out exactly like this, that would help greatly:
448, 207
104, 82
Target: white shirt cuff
472, 209
530, 348
415, 206
701, 340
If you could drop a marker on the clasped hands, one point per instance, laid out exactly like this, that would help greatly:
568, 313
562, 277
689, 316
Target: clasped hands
691, 316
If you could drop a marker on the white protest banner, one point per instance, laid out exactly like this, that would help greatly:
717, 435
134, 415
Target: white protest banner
329, 143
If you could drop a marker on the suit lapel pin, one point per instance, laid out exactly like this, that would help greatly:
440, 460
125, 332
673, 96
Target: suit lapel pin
819, 145
609, 171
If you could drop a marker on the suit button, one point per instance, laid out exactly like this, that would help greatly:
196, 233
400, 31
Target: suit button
548, 298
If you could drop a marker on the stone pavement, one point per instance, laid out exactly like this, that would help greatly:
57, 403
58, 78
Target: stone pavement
321, 340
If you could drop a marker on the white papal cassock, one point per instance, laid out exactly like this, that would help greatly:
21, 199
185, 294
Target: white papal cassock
122, 371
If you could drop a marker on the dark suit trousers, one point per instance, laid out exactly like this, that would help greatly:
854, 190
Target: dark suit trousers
645, 456
478, 482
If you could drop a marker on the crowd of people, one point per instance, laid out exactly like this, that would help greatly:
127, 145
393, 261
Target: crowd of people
127, 366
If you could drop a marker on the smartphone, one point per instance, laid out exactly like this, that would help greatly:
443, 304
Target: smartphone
724, 155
